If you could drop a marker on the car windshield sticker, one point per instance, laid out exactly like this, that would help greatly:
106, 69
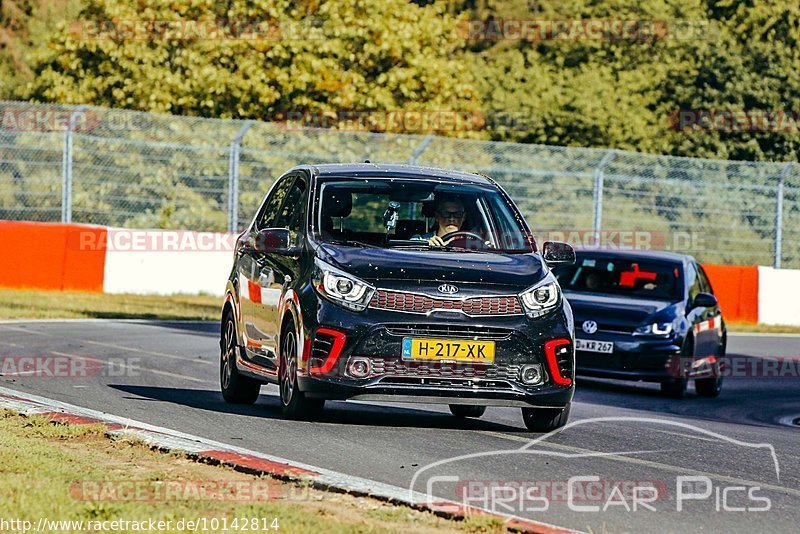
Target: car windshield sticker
629, 278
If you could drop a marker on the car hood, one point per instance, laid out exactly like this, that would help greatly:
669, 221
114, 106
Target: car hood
613, 310
377, 264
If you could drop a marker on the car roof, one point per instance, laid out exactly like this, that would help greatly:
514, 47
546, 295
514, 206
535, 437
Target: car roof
404, 171
657, 255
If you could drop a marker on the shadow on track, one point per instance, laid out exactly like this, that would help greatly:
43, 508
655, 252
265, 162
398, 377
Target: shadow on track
336, 412
742, 401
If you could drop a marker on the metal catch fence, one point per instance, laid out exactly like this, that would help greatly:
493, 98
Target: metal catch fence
142, 170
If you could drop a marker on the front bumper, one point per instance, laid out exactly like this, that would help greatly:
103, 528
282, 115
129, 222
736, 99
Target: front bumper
377, 335
634, 358
442, 391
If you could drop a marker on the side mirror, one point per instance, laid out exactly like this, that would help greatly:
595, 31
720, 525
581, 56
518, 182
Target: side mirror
274, 241
704, 300
557, 253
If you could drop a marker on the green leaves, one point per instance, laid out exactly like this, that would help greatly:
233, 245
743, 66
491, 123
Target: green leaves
323, 58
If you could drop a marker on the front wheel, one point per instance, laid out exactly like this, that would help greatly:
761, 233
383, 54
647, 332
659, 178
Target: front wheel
712, 387
461, 410
674, 388
294, 403
545, 419
236, 389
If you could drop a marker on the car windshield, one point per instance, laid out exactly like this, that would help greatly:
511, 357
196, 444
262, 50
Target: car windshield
403, 213
620, 276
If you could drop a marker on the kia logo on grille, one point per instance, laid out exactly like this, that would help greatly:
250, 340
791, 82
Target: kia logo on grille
448, 289
590, 327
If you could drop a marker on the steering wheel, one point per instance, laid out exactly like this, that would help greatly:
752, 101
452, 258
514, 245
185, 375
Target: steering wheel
451, 235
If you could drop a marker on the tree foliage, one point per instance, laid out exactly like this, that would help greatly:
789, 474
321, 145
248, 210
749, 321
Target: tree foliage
389, 55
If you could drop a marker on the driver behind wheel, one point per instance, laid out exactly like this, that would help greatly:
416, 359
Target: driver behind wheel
450, 216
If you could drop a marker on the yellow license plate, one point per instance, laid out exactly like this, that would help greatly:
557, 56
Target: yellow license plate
448, 349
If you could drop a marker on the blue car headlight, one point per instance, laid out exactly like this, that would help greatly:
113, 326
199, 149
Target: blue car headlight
654, 329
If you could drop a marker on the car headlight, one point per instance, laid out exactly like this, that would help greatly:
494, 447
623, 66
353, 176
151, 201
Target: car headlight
341, 288
542, 297
655, 329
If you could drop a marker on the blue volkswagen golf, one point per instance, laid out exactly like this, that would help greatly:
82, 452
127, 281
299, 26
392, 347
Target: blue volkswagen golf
648, 316
397, 283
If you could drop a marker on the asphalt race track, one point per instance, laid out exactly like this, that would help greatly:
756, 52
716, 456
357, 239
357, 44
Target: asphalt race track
628, 436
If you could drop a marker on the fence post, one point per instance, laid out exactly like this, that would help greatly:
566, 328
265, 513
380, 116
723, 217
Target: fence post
599, 180
779, 216
420, 149
233, 177
66, 167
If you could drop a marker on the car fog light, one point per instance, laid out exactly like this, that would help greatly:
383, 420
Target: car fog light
531, 375
359, 368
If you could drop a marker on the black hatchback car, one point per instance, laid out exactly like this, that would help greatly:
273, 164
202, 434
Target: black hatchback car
646, 315
397, 283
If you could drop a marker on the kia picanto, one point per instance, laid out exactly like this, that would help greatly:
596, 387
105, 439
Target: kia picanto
401, 284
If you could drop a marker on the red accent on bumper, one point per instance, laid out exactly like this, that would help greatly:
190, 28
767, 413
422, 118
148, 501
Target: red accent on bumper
552, 363
333, 356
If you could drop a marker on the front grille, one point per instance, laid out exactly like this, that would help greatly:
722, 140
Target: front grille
449, 331
397, 367
473, 306
446, 382
615, 328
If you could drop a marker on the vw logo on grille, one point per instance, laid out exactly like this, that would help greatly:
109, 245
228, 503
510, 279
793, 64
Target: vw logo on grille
590, 327
448, 289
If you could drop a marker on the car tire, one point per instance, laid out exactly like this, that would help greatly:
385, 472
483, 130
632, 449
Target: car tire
464, 410
708, 387
236, 388
545, 419
675, 388
294, 403
712, 387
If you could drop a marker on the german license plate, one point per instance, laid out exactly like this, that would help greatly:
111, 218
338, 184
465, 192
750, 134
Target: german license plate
606, 347
447, 349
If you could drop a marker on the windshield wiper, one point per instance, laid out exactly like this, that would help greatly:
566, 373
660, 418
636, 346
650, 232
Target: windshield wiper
351, 243
449, 248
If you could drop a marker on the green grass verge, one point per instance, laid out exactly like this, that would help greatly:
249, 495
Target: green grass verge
16, 304
52, 471
763, 328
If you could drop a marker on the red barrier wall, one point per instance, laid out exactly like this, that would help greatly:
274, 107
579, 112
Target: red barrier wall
72, 257
736, 289
48, 256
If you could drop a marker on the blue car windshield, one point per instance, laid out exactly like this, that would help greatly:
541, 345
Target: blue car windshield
622, 276
397, 212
